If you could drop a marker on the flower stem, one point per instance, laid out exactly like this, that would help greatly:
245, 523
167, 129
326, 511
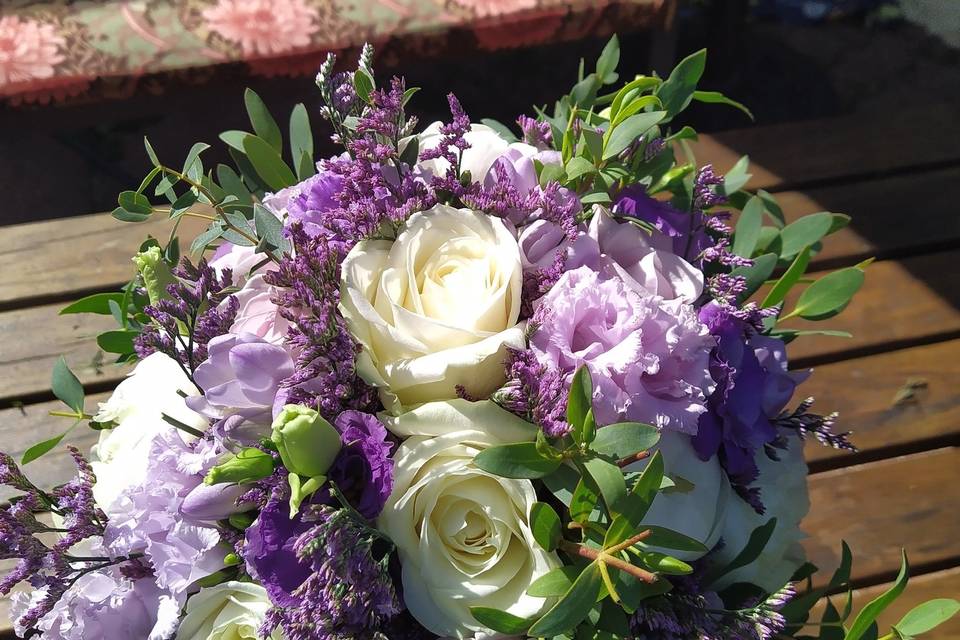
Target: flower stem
604, 557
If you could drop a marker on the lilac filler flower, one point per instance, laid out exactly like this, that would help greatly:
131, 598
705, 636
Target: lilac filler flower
648, 358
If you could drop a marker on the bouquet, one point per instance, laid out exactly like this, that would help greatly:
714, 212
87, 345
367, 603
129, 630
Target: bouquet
465, 381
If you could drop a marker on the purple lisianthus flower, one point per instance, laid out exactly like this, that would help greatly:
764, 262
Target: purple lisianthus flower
103, 604
687, 230
753, 387
540, 242
307, 201
644, 260
648, 357
269, 549
147, 517
241, 381
363, 469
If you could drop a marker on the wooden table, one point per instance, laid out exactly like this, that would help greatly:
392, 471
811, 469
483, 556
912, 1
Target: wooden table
897, 176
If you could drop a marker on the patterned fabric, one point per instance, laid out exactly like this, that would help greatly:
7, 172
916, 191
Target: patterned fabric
57, 49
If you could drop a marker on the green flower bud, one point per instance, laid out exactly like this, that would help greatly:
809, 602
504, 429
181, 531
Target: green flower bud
154, 271
247, 466
307, 443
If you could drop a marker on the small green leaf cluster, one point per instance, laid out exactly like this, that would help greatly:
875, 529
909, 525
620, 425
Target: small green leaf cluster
841, 624
594, 518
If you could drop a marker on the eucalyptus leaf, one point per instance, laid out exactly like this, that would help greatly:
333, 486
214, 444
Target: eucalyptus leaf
756, 274
625, 439
268, 164
134, 202
263, 123
66, 387
927, 616
301, 142
233, 184
42, 448
790, 277
747, 232
737, 177
234, 139
806, 231
829, 295
98, 303
269, 228
117, 341
150, 152
193, 156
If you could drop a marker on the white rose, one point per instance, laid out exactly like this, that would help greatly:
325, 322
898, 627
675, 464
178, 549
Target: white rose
783, 491
462, 534
439, 418
436, 308
485, 147
230, 610
697, 511
137, 406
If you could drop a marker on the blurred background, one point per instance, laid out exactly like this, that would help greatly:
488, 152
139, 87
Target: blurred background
81, 81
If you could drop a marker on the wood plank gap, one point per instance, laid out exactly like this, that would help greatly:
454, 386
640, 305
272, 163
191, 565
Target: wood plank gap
916, 570
807, 362
849, 178
64, 297
824, 465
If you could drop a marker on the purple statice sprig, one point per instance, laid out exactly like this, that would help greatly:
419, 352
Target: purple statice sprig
307, 291
198, 308
349, 593
535, 392
820, 427
51, 569
453, 184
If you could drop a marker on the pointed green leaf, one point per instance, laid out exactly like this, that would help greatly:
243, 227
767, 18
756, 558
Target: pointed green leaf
715, 97
42, 448
927, 616
677, 91
748, 228
806, 231
608, 479
263, 123
193, 156
518, 460
571, 609
301, 141
579, 401
624, 134
779, 292
98, 303
756, 543
500, 621
868, 615
625, 439
609, 59
268, 163
545, 525
66, 387
501, 129
756, 274
555, 583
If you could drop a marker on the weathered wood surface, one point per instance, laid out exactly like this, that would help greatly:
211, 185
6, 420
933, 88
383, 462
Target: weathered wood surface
894, 402
896, 383
910, 502
783, 156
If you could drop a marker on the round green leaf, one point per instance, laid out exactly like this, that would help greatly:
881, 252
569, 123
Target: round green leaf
519, 460
829, 295
545, 525
927, 616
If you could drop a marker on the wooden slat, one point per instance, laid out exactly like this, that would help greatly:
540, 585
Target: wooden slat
879, 209
902, 301
809, 151
939, 584
879, 507
45, 260
872, 397
26, 426
33, 340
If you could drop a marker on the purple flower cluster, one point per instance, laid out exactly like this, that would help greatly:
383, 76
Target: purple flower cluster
753, 387
194, 303
536, 392
50, 570
535, 133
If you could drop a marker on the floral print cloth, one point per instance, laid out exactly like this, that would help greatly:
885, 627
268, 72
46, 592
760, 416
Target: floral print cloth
56, 49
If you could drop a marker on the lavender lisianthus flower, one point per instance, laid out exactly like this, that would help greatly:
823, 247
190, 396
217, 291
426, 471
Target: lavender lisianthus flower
686, 229
147, 517
644, 260
363, 469
308, 201
241, 381
753, 386
648, 358
102, 604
